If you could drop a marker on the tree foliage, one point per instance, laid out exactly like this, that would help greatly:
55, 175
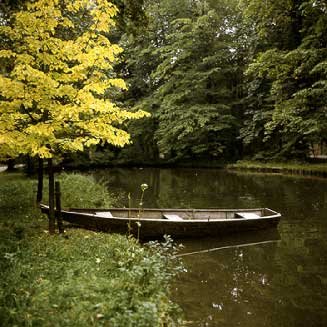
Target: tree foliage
288, 77
182, 72
56, 90
222, 79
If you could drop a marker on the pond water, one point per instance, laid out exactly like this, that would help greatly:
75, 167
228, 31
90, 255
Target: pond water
269, 278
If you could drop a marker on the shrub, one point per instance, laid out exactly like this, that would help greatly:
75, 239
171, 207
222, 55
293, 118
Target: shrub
84, 191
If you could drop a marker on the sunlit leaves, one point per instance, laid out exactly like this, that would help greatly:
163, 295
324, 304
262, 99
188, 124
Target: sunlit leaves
54, 93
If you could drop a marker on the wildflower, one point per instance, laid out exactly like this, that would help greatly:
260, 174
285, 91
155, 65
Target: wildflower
144, 187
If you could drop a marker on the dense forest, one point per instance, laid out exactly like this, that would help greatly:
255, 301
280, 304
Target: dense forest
222, 79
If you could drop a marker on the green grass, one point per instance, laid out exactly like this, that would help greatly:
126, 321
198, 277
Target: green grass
83, 278
291, 166
83, 191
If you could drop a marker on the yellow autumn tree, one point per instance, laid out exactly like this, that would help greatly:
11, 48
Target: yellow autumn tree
55, 90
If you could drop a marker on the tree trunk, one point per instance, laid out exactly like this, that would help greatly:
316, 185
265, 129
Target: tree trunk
29, 167
52, 221
39, 195
10, 165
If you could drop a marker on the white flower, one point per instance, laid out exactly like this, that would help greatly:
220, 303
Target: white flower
144, 187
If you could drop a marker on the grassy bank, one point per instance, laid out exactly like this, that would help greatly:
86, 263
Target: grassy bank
83, 278
310, 169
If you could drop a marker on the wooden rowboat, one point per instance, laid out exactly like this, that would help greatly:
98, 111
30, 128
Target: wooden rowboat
178, 223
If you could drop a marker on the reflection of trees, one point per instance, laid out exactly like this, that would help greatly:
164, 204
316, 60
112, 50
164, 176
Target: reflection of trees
225, 287
128, 180
268, 285
302, 277
264, 285
201, 188
218, 188
291, 195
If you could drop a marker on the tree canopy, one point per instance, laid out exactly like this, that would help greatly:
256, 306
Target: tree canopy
222, 79
287, 80
228, 79
57, 86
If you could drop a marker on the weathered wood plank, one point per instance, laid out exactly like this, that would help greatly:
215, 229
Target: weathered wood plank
171, 217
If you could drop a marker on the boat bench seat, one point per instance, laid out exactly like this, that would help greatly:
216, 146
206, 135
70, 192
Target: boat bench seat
171, 217
106, 214
246, 215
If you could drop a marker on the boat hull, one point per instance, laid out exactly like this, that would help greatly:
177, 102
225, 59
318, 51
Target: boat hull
155, 228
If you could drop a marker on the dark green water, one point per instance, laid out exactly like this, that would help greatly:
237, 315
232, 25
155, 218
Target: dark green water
274, 278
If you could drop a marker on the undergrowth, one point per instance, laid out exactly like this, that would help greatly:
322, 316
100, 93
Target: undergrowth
83, 278
83, 191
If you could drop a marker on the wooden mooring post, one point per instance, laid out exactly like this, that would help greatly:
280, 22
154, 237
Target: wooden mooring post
52, 213
58, 208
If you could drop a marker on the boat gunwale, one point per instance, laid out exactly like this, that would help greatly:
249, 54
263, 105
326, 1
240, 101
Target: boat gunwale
97, 214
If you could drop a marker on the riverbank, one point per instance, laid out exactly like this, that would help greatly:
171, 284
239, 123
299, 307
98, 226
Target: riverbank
305, 169
81, 278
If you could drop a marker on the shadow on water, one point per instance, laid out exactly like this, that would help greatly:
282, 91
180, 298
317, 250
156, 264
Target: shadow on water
247, 239
245, 280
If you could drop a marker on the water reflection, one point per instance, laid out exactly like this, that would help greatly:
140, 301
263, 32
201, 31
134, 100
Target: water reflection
234, 241
231, 291
278, 283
